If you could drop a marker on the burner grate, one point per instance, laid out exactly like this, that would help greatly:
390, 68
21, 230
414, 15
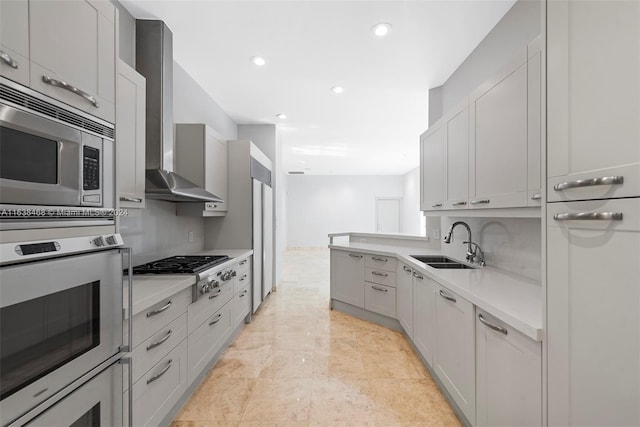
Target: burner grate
181, 264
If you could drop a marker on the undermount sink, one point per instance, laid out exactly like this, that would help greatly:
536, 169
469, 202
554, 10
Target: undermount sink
437, 261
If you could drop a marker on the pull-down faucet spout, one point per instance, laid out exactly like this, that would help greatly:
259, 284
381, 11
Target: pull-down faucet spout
472, 247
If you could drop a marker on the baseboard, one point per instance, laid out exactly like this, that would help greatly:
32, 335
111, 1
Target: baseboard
367, 315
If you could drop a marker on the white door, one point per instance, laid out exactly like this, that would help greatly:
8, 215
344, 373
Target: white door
388, 215
257, 244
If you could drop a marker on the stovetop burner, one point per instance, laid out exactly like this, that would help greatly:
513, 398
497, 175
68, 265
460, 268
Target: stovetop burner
181, 264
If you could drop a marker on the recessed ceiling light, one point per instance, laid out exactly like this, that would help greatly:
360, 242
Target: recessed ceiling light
281, 116
258, 60
337, 89
381, 29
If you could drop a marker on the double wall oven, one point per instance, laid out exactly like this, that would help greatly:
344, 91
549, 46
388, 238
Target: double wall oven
62, 311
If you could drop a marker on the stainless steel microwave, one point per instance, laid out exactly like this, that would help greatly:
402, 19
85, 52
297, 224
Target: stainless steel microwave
56, 162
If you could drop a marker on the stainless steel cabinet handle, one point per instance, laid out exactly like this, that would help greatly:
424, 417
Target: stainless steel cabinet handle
377, 273
8, 59
355, 255
160, 310
492, 326
407, 269
130, 199
243, 293
375, 258
536, 196
605, 180
160, 341
70, 88
216, 295
417, 276
480, 201
243, 262
379, 289
157, 376
437, 205
216, 321
447, 297
243, 278
460, 203
589, 216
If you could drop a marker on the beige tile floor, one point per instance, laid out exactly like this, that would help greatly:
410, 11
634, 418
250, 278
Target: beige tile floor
301, 364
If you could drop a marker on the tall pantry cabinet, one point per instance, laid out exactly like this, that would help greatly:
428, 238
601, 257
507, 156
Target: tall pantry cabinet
593, 214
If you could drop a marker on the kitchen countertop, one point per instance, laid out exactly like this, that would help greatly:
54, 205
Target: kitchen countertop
514, 299
150, 289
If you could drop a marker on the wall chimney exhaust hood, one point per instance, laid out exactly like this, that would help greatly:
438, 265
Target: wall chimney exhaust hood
154, 60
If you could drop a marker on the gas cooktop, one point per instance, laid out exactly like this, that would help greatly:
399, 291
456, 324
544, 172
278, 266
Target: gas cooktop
181, 264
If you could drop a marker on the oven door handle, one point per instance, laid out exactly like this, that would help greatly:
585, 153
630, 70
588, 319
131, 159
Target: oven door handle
129, 310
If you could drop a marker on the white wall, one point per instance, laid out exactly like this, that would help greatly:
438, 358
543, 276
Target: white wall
411, 215
321, 204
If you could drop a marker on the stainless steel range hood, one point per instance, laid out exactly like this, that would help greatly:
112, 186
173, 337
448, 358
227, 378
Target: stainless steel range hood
154, 60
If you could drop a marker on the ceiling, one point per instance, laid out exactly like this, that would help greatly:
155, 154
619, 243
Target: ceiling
310, 46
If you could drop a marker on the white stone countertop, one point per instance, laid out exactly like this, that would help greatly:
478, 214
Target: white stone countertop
150, 289
514, 299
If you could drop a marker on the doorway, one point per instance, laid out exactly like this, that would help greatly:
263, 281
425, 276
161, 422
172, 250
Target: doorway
388, 214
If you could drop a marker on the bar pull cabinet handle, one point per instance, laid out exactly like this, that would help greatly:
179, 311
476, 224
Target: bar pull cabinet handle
407, 269
436, 205
243, 262
64, 85
355, 255
447, 297
460, 203
589, 216
492, 326
158, 375
129, 345
243, 278
480, 202
605, 180
130, 199
243, 293
160, 310
377, 273
376, 258
217, 320
536, 196
8, 59
160, 341
216, 295
379, 289
417, 276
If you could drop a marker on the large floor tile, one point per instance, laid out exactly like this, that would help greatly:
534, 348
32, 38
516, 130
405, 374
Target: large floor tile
279, 400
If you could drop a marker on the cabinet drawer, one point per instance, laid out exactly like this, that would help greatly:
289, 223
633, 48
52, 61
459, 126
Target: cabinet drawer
241, 305
151, 320
380, 262
159, 389
241, 281
154, 349
242, 267
375, 275
208, 304
380, 299
207, 339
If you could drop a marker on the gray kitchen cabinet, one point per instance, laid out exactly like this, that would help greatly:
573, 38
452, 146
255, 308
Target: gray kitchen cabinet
593, 99
404, 298
14, 40
498, 139
509, 375
380, 299
158, 316
424, 316
209, 303
457, 158
130, 136
347, 277
80, 58
207, 339
454, 358
593, 314
432, 166
242, 292
535, 112
201, 157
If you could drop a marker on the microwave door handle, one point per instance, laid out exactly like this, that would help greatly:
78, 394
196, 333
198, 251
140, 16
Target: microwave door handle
129, 311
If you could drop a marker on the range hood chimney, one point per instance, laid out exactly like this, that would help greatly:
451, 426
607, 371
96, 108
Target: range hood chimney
154, 60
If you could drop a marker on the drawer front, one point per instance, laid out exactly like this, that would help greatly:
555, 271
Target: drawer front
208, 339
241, 281
382, 277
380, 299
208, 304
158, 316
156, 347
159, 389
241, 305
381, 262
242, 266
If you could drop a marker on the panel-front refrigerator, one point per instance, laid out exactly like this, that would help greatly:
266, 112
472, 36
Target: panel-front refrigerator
262, 241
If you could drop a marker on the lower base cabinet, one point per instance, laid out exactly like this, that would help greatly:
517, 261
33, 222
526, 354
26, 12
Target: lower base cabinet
380, 299
207, 339
241, 305
347, 277
424, 316
509, 375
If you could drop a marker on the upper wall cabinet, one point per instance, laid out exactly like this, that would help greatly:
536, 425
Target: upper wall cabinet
201, 157
593, 101
71, 51
130, 136
535, 122
14, 40
457, 152
432, 166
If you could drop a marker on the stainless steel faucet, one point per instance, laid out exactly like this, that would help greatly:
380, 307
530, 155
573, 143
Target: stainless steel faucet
474, 252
